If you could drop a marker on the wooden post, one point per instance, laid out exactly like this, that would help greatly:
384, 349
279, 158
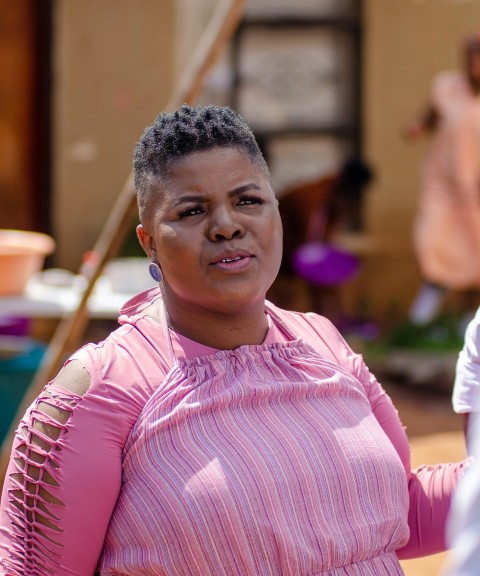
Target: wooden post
71, 327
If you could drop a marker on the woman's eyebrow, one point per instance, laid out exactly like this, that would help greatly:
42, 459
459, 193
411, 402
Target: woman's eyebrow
189, 198
202, 197
244, 188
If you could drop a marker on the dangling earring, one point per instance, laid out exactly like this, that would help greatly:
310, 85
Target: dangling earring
155, 272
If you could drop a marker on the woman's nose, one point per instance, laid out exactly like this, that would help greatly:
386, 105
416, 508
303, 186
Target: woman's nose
224, 226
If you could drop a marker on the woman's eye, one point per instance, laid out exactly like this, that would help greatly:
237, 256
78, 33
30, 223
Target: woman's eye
191, 211
248, 200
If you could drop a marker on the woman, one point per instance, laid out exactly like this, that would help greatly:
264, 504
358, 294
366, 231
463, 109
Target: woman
447, 227
213, 433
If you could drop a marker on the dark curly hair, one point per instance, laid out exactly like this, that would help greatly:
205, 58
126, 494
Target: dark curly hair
174, 135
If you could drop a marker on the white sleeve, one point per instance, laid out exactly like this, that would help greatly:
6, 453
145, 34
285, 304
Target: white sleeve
463, 528
466, 390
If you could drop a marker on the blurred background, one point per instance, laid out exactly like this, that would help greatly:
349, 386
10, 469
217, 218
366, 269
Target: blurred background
318, 80
321, 82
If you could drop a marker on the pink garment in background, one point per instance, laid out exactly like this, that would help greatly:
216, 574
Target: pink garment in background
283, 458
447, 227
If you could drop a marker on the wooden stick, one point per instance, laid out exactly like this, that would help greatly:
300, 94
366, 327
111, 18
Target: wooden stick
222, 25
71, 327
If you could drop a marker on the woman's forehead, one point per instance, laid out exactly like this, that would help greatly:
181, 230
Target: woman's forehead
215, 154
226, 165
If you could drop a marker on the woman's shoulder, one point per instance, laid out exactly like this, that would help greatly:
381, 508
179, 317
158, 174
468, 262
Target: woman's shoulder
307, 320
316, 330
447, 82
129, 363
448, 77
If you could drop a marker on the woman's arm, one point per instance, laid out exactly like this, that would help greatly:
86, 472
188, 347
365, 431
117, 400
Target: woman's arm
430, 488
63, 480
424, 124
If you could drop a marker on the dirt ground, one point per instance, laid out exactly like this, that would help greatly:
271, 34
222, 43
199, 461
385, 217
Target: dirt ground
435, 435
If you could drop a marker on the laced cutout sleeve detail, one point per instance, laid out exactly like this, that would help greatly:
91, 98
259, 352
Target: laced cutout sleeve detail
54, 480
33, 485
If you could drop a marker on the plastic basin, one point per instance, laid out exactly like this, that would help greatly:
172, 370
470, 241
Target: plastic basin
324, 264
22, 254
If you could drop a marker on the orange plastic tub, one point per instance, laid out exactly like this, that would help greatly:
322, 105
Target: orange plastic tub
22, 254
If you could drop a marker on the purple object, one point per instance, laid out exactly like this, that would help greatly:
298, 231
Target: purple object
324, 264
14, 326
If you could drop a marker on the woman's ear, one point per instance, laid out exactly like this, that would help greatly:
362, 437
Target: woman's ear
146, 240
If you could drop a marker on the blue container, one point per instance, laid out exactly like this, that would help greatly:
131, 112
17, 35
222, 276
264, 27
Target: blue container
19, 359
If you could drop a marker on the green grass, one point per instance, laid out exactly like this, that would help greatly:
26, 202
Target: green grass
445, 334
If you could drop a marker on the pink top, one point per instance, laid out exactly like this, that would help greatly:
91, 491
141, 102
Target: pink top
447, 229
282, 458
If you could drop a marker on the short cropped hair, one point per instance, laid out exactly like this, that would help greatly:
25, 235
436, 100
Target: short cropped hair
175, 135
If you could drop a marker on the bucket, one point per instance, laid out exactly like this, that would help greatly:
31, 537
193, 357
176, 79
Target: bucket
22, 254
324, 264
14, 325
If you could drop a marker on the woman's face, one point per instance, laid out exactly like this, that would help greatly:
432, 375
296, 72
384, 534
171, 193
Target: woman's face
215, 232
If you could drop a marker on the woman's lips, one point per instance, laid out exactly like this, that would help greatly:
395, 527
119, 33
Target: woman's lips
233, 262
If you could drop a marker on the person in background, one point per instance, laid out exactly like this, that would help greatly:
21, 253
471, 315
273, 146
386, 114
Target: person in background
463, 527
447, 225
316, 211
214, 433
466, 388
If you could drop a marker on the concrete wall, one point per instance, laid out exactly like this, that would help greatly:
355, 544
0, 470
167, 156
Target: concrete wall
406, 43
114, 64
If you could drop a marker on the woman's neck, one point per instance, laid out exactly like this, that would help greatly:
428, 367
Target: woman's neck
219, 330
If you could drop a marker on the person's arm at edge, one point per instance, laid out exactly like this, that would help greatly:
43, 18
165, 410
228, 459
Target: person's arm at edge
466, 388
425, 123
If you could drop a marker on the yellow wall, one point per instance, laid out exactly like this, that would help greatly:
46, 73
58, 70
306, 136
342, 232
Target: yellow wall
113, 72
114, 68
406, 43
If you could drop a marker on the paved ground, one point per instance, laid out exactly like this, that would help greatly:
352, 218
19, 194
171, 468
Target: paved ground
435, 435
